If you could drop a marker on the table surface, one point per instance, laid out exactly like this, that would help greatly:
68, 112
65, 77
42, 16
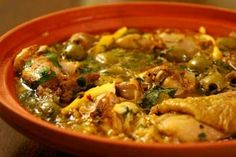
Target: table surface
12, 143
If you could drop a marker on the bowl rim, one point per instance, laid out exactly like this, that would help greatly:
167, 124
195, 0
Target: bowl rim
71, 9
95, 138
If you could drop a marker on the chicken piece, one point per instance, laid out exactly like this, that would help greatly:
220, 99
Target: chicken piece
26, 54
183, 81
23, 56
103, 111
69, 85
69, 67
187, 129
126, 112
218, 111
90, 96
67, 88
61, 78
39, 67
90, 79
157, 75
146, 129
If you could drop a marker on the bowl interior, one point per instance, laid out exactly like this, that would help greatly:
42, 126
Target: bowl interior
59, 26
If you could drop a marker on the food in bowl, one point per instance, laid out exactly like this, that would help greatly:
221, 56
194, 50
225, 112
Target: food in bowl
164, 85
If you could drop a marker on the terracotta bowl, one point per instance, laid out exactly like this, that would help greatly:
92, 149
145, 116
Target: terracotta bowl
58, 26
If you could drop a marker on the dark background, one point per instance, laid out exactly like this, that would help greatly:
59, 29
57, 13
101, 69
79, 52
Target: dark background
14, 12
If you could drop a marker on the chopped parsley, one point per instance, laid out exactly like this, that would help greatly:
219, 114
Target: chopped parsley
46, 75
155, 95
28, 64
53, 58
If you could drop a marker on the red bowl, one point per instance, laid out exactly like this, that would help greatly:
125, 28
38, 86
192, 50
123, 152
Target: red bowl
58, 26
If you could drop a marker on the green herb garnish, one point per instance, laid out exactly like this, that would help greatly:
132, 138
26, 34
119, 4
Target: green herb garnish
156, 95
53, 58
28, 64
46, 75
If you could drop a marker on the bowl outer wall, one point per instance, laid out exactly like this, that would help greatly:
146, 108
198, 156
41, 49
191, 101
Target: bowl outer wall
59, 26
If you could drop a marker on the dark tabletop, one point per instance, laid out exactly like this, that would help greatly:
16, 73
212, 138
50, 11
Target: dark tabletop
12, 143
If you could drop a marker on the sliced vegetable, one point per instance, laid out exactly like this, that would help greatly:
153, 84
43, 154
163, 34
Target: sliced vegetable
120, 32
92, 93
106, 40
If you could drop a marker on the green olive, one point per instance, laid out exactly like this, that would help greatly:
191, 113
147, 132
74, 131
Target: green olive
177, 55
214, 82
233, 82
86, 40
74, 51
199, 64
231, 78
226, 43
